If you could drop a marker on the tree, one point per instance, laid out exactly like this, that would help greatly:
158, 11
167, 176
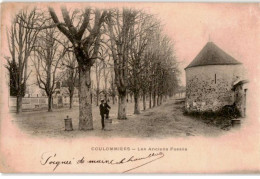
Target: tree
83, 30
160, 75
106, 71
145, 81
71, 74
140, 35
112, 89
118, 28
12, 68
21, 42
167, 70
98, 65
48, 56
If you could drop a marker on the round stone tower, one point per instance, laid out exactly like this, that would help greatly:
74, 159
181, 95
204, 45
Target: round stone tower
210, 78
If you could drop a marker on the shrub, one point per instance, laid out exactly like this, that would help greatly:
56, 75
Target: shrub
221, 118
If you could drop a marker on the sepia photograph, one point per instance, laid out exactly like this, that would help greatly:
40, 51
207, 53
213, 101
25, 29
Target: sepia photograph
129, 87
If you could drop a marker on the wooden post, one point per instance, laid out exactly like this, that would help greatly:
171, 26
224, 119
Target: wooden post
68, 124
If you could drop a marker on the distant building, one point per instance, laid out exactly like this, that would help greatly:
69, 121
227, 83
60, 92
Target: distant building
215, 79
180, 93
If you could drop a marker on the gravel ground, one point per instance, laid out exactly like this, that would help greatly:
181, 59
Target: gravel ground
166, 120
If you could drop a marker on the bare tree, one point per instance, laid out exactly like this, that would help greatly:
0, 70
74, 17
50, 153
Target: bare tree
164, 70
112, 89
119, 25
83, 29
21, 42
71, 74
101, 73
98, 65
145, 81
12, 68
141, 33
48, 55
106, 71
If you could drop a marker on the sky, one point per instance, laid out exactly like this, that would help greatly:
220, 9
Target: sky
234, 27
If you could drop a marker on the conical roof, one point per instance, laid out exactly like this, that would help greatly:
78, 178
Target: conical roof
211, 54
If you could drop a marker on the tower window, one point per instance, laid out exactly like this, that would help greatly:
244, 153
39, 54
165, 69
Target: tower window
215, 78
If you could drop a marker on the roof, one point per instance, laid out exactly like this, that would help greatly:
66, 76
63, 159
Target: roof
237, 83
211, 54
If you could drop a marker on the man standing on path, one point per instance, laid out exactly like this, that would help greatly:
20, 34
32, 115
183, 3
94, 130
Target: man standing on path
103, 111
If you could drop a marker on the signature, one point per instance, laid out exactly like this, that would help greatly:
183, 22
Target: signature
51, 159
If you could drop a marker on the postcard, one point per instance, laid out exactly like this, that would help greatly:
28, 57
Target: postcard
117, 87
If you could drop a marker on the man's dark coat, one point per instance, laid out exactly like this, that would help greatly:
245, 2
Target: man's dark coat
104, 108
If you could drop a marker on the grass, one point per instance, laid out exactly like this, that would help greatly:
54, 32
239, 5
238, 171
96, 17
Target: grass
221, 118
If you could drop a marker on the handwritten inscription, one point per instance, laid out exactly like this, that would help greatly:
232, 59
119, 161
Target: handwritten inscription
52, 160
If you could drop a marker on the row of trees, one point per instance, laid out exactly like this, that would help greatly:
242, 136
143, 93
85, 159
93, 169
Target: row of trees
126, 47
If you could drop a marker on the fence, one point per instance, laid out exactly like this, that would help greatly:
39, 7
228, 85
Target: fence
32, 103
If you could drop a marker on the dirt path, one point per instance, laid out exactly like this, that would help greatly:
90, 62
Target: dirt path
160, 122
164, 121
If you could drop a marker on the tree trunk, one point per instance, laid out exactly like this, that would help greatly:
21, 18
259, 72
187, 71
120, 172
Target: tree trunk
121, 106
71, 101
154, 99
137, 107
97, 94
131, 96
158, 100
105, 95
85, 107
113, 98
19, 100
144, 102
160, 97
150, 99
50, 103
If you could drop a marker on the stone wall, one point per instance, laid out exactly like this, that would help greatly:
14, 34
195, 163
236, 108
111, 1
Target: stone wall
208, 88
